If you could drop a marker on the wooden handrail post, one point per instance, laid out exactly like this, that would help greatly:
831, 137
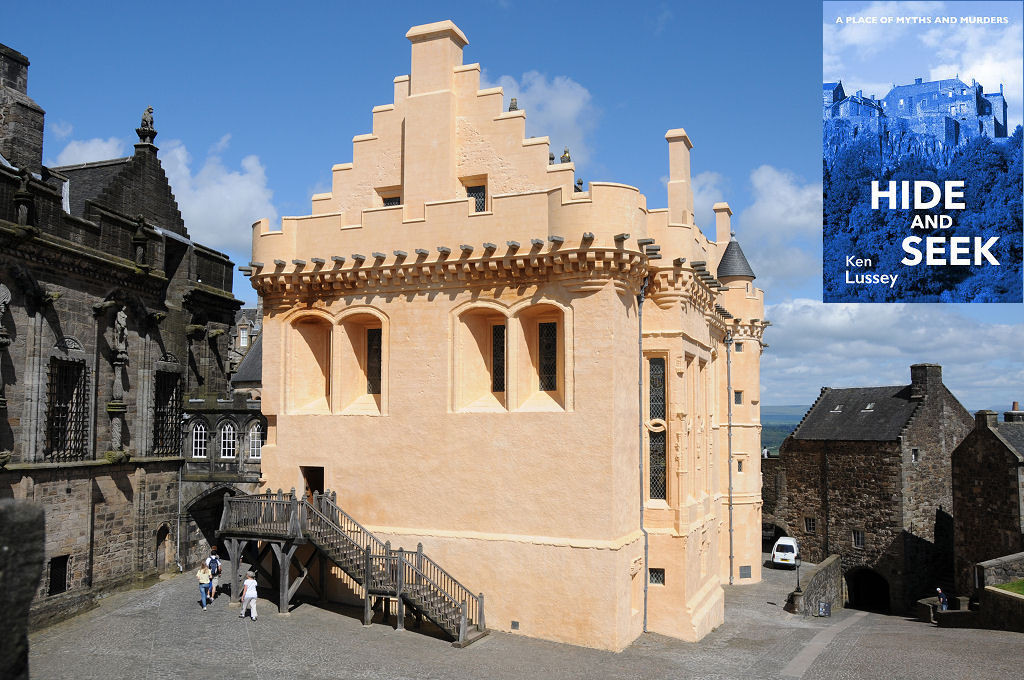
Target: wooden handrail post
481, 624
367, 611
400, 614
462, 623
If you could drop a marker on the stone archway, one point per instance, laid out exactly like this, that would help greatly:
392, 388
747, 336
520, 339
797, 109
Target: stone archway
164, 552
868, 590
205, 511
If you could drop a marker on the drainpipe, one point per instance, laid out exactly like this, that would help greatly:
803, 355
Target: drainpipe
640, 429
177, 532
728, 383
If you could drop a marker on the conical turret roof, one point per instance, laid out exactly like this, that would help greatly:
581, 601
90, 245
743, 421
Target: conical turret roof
734, 262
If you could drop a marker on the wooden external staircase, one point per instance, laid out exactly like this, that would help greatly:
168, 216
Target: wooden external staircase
282, 522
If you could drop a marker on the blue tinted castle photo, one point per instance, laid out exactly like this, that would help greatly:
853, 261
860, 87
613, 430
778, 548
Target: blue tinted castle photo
937, 115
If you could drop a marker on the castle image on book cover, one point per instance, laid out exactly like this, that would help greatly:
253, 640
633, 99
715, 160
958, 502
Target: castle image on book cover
922, 193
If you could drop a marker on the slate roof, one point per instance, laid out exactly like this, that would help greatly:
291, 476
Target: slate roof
928, 87
734, 262
1013, 433
251, 368
88, 180
829, 86
840, 415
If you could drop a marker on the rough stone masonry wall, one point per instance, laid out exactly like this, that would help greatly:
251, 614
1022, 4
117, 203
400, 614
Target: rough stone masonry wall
986, 505
824, 584
21, 555
800, 463
1001, 610
1001, 570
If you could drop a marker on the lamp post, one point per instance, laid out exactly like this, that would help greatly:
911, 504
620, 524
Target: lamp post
798, 574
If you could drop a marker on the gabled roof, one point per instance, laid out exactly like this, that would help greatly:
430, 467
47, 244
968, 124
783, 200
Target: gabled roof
842, 414
251, 368
829, 86
1013, 433
734, 262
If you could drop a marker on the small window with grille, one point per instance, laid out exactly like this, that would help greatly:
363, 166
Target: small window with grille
167, 414
547, 344
810, 525
478, 193
739, 466
199, 437
391, 201
656, 577
228, 440
737, 397
373, 360
59, 576
498, 358
67, 410
858, 538
739, 345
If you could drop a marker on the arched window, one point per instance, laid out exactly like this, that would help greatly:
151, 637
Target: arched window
481, 359
363, 358
309, 365
228, 440
199, 437
255, 441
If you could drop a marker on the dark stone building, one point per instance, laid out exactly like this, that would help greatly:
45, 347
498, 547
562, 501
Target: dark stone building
988, 493
114, 329
866, 475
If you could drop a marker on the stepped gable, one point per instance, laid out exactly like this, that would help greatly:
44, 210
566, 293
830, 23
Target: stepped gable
893, 409
734, 262
132, 186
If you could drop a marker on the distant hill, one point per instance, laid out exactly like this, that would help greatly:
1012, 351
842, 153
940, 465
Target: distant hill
777, 423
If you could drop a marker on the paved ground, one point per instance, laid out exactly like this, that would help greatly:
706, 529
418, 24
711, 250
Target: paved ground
162, 633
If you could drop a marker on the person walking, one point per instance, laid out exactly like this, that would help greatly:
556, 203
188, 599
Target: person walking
204, 577
213, 562
249, 595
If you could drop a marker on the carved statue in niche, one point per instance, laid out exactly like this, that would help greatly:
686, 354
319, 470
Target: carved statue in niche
121, 331
5, 299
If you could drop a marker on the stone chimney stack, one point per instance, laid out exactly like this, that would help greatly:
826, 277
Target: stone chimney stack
680, 188
985, 420
923, 379
429, 147
917, 81
723, 228
1014, 415
21, 119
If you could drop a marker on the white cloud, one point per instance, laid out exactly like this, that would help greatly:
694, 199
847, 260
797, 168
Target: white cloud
708, 188
781, 230
860, 345
60, 129
218, 204
559, 108
989, 54
89, 150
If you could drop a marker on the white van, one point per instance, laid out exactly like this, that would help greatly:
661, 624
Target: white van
785, 551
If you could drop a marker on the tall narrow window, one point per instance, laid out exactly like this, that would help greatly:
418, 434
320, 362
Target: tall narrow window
228, 441
738, 397
167, 414
656, 440
858, 538
547, 343
199, 440
243, 336
657, 388
373, 350
255, 441
59, 568
67, 410
498, 358
479, 194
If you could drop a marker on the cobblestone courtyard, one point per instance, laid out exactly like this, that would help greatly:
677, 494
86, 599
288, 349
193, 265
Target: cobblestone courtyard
161, 632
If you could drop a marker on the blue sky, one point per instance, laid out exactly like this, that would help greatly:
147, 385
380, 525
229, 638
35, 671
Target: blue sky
255, 102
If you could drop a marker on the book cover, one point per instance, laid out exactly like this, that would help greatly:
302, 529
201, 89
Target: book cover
921, 153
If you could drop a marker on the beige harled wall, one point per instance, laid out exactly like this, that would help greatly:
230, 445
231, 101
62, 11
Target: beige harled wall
530, 496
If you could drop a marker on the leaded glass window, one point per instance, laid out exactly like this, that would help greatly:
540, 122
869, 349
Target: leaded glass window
498, 358
479, 194
255, 441
167, 414
373, 353
199, 436
657, 464
547, 345
657, 387
67, 410
228, 442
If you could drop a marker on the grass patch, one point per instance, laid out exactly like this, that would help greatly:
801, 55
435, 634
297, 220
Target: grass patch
1013, 586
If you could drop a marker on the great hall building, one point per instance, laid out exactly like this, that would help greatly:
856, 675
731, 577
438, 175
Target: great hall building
476, 354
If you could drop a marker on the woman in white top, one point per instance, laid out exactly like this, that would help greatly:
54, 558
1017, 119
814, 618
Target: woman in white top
249, 595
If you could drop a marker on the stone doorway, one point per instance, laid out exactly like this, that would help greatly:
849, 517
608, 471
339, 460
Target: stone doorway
163, 548
313, 480
868, 590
